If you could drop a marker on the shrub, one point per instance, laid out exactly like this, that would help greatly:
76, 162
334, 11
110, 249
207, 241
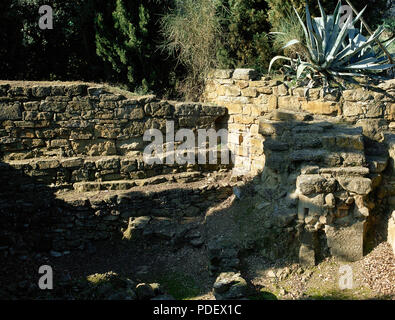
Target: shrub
245, 42
191, 33
126, 36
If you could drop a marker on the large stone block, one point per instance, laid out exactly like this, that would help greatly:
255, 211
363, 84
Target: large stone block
310, 206
221, 74
321, 107
289, 103
231, 91
358, 185
306, 256
357, 95
245, 74
310, 183
346, 243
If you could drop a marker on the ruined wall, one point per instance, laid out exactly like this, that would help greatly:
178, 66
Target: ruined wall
60, 143
325, 161
247, 97
322, 164
67, 134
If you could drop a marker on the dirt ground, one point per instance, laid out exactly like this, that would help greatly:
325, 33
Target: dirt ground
184, 272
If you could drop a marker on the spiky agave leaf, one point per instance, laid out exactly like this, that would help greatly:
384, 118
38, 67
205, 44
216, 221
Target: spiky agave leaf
338, 51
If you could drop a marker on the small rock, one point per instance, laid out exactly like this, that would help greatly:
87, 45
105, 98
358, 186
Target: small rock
144, 291
230, 285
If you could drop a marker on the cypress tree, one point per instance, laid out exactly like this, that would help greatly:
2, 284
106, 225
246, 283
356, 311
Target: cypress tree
126, 39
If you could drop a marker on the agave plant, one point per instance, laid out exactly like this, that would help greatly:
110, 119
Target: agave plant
336, 51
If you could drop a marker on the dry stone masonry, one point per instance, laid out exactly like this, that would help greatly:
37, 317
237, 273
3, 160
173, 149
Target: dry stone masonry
325, 161
318, 169
60, 145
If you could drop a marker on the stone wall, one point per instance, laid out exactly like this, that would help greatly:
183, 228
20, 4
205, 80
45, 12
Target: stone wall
322, 158
67, 134
72, 169
248, 97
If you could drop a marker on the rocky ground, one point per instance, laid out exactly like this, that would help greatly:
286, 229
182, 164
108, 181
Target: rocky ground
184, 275
120, 269
114, 270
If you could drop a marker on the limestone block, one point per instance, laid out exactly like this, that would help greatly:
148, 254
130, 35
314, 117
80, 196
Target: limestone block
306, 256
352, 109
41, 91
99, 147
76, 90
232, 91
346, 243
358, 185
129, 112
390, 113
234, 108
357, 95
244, 74
308, 155
281, 90
264, 90
74, 162
310, 183
222, 74
249, 92
31, 106
321, 107
226, 99
48, 164
242, 84
374, 110
289, 103
156, 109
108, 163
310, 206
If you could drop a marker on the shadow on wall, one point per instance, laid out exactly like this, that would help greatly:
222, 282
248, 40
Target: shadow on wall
309, 202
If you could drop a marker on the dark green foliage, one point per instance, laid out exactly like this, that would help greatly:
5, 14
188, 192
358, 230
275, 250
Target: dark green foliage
127, 35
245, 40
117, 40
65, 52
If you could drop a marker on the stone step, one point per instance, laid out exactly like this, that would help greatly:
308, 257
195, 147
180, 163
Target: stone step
345, 171
185, 177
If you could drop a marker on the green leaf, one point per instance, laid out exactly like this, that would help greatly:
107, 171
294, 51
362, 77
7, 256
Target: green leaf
275, 59
291, 43
301, 68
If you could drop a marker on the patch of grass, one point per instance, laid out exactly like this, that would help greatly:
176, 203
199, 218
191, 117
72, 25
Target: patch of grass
180, 286
263, 295
98, 278
336, 294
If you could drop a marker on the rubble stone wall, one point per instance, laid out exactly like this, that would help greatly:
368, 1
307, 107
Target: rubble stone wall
63, 134
325, 161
